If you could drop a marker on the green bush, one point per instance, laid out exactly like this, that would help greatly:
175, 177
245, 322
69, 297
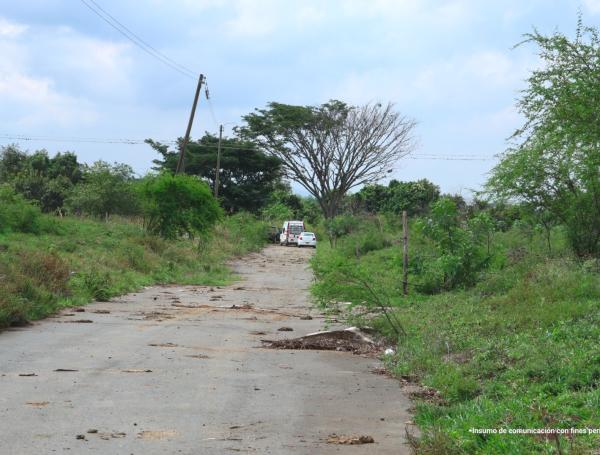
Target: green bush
178, 205
17, 214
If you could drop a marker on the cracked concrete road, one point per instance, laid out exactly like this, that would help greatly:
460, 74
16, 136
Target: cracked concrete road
177, 370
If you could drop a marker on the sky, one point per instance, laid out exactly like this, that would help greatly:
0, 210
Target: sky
451, 65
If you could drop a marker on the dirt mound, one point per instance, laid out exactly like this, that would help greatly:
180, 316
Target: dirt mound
350, 340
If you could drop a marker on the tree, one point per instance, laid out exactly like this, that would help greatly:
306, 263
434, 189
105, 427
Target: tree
38, 177
332, 148
414, 197
106, 189
176, 205
247, 178
554, 167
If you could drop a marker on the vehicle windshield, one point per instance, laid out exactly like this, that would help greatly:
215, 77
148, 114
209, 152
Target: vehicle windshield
295, 229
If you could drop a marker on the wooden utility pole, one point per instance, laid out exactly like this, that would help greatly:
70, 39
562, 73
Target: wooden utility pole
218, 170
186, 139
404, 253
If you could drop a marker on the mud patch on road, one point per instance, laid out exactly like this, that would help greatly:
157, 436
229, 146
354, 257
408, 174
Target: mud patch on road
349, 440
349, 340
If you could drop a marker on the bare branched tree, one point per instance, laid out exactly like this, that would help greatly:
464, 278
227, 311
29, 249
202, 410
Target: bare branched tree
332, 148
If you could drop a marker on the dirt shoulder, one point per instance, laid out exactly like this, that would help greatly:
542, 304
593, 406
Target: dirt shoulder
183, 370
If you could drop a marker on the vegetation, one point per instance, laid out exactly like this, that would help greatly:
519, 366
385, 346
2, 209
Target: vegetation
47, 263
512, 344
332, 148
556, 166
177, 205
104, 190
247, 176
501, 323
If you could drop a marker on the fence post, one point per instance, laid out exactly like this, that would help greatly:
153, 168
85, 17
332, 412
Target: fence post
404, 253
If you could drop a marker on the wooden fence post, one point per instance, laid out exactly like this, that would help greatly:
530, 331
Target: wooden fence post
404, 253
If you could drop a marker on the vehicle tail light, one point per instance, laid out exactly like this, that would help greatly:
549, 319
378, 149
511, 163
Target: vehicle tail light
300, 238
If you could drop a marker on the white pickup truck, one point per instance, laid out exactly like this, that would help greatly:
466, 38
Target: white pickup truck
290, 232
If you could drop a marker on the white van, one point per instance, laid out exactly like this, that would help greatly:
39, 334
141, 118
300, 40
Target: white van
290, 232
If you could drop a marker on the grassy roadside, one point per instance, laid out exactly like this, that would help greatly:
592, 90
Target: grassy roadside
72, 261
517, 350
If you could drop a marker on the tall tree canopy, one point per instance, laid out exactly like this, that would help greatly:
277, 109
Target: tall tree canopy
247, 178
39, 177
555, 165
332, 148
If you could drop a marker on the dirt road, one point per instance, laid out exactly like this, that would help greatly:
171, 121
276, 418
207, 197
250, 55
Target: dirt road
181, 370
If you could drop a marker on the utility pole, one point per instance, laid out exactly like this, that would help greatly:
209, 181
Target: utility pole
404, 253
186, 139
218, 170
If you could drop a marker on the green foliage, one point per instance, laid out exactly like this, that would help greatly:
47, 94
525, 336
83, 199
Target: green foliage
284, 205
459, 258
84, 259
178, 205
556, 166
17, 214
414, 197
338, 227
331, 148
516, 349
42, 179
247, 177
106, 189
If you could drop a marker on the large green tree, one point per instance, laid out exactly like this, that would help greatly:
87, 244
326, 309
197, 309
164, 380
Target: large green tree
332, 148
554, 165
39, 177
106, 189
414, 197
247, 177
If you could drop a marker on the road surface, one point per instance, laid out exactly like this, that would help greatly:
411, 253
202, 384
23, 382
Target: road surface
181, 370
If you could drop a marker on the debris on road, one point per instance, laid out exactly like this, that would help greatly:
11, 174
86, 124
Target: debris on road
285, 329
257, 332
101, 311
349, 440
27, 374
112, 435
92, 431
157, 434
37, 404
163, 345
64, 370
136, 370
350, 339
80, 436
80, 321
308, 317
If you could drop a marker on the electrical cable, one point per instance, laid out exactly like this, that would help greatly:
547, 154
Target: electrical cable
139, 42
23, 137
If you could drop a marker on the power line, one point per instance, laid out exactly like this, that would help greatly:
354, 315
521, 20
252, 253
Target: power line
23, 137
135, 39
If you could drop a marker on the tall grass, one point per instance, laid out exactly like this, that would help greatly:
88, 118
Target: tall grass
79, 260
517, 350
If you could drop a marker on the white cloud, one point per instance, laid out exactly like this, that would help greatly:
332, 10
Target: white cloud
10, 29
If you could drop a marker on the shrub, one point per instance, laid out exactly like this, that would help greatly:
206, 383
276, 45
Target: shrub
459, 255
17, 214
178, 205
106, 190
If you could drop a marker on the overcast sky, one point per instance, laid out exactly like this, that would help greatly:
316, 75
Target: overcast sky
449, 64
